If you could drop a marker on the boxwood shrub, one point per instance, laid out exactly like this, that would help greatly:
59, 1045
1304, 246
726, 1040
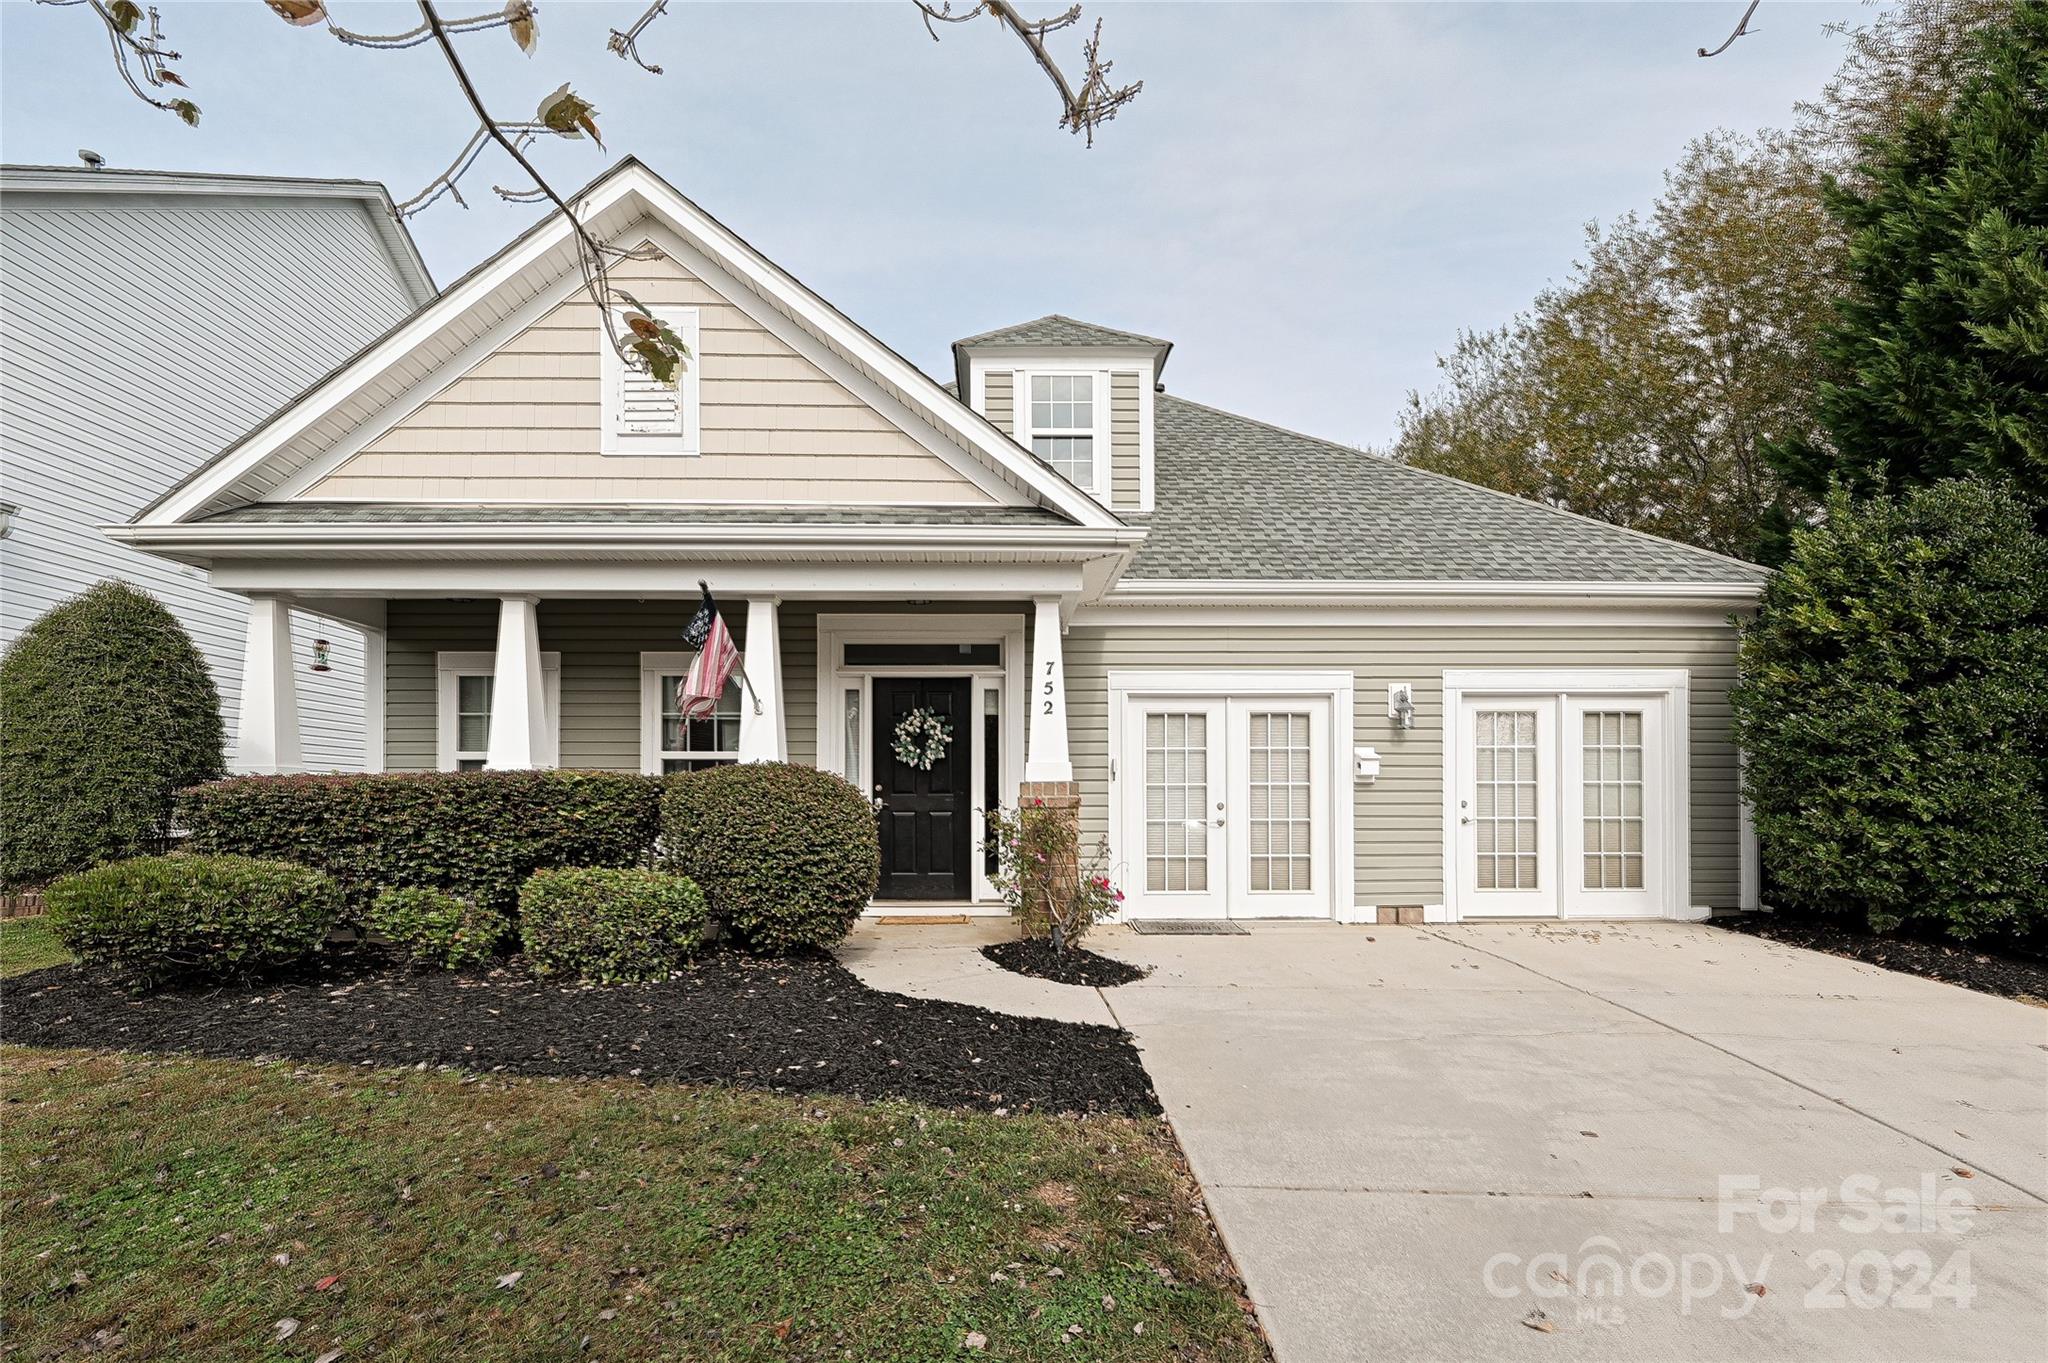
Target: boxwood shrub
431, 927
610, 924
478, 835
110, 711
199, 917
1895, 713
788, 855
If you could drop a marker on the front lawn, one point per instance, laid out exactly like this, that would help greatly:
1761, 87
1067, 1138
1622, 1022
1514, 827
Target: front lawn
28, 944
176, 1207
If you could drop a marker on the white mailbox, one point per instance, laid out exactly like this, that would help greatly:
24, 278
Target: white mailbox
1366, 764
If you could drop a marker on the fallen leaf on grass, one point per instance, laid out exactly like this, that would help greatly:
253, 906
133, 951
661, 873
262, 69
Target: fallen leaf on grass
510, 1279
975, 1340
327, 1282
286, 1328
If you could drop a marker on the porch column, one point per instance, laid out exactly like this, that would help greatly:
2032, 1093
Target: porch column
1045, 758
267, 724
519, 715
764, 737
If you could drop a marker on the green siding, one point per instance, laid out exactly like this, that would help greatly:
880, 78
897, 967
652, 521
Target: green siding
1399, 819
1399, 833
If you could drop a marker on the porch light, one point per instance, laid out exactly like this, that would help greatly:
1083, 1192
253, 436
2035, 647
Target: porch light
1401, 704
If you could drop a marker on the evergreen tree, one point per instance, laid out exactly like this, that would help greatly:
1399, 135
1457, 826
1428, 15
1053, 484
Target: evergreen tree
109, 711
1939, 359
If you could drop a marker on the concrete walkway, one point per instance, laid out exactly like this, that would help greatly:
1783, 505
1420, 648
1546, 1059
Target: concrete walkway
1413, 1138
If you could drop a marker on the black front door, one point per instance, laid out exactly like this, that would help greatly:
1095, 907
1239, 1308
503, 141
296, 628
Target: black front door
926, 815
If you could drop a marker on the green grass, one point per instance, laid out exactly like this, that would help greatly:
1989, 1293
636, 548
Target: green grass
27, 944
151, 1198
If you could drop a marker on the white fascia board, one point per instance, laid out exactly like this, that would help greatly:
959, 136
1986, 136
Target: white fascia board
309, 580
1228, 592
319, 538
739, 260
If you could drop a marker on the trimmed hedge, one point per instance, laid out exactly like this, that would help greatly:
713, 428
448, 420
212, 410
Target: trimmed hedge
478, 835
787, 855
611, 925
434, 928
109, 710
175, 917
1894, 707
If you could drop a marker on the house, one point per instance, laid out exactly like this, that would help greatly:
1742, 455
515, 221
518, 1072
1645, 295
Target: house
1281, 677
146, 320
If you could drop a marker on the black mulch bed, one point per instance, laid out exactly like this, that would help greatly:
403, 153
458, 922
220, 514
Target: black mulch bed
1972, 967
1034, 956
798, 1025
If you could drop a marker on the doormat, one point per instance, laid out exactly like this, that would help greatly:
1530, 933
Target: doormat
1187, 927
920, 920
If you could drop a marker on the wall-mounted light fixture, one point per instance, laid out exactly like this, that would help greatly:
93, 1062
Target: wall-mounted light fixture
321, 650
1401, 704
7, 510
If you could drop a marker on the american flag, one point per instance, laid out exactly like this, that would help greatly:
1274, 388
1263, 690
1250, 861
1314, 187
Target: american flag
716, 658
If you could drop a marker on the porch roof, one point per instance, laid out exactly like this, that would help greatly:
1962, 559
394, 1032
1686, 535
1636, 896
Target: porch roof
405, 513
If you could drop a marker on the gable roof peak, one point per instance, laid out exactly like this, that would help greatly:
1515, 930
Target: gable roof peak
1058, 329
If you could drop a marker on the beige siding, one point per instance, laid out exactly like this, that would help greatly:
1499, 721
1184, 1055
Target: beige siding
1124, 473
524, 424
1400, 818
998, 399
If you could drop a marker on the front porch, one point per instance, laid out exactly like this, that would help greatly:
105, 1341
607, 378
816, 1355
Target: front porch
535, 679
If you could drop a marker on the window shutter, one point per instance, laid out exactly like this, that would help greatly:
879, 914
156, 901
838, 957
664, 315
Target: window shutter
647, 406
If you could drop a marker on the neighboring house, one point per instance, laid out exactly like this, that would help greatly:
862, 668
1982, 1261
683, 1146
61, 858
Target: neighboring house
1214, 632
146, 320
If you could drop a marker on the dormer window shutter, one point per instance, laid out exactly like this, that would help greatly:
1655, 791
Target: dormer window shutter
643, 415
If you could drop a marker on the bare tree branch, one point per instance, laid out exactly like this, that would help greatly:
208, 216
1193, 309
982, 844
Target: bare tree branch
1083, 109
1740, 29
627, 44
146, 54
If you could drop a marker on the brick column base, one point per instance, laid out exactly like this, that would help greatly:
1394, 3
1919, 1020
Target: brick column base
1061, 800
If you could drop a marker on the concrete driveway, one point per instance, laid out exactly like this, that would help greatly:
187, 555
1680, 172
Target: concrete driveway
1415, 1138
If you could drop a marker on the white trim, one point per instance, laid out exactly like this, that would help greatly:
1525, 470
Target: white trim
312, 537
1148, 402
267, 715
1451, 614
612, 375
375, 669
1673, 685
1415, 591
631, 180
1337, 686
834, 679
449, 665
1748, 855
657, 577
654, 666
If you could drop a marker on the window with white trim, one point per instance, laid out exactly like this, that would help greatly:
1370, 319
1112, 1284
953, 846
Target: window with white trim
641, 414
670, 741
466, 687
1060, 424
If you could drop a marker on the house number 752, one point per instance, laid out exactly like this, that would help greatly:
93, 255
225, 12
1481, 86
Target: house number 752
1050, 686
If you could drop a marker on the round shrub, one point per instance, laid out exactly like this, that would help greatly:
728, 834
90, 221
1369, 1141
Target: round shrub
434, 928
610, 924
110, 710
166, 918
1893, 710
788, 856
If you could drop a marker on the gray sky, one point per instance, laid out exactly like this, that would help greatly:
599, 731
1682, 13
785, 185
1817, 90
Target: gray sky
1309, 200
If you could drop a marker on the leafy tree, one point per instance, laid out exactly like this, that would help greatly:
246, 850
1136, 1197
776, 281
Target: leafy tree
1940, 353
109, 711
1892, 710
1643, 390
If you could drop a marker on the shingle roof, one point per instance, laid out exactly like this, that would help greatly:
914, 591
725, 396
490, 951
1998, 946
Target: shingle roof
1237, 499
400, 513
1055, 329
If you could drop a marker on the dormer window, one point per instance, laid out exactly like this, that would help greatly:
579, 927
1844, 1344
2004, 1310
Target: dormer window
643, 415
1061, 424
